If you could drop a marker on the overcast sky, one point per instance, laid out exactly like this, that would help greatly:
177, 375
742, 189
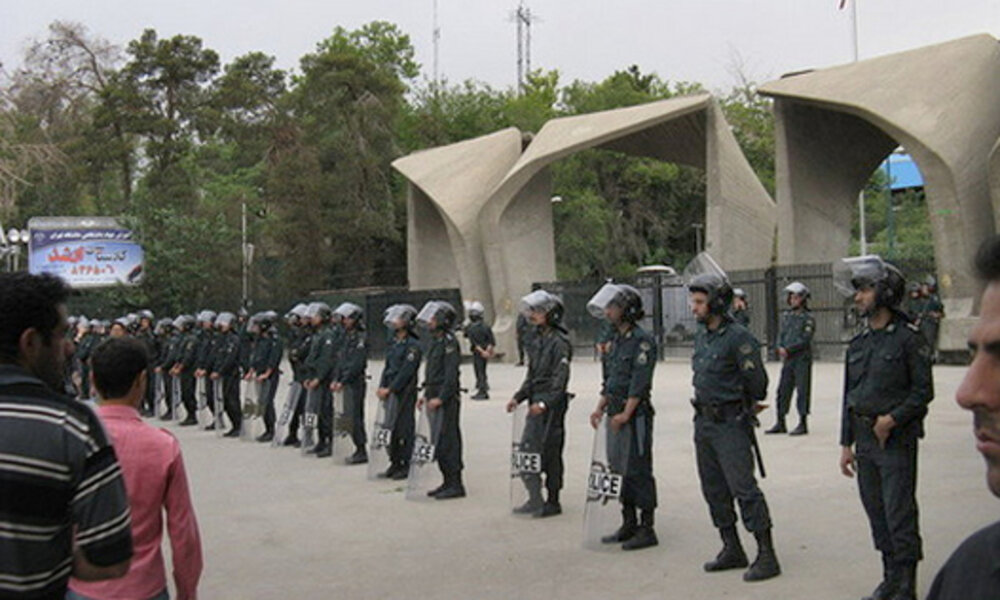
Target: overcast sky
689, 40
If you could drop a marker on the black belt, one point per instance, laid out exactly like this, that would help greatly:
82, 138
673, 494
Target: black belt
718, 412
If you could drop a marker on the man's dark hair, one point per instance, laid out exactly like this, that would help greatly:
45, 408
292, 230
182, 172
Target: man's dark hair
988, 259
28, 301
116, 362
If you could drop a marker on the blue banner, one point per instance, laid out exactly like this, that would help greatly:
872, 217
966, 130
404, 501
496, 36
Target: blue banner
86, 256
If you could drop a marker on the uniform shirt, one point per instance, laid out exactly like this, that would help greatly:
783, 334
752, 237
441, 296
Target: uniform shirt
187, 352
266, 353
153, 470
742, 317
323, 352
58, 473
168, 351
931, 304
298, 351
888, 372
797, 327
226, 357
549, 356
480, 334
441, 370
402, 361
629, 367
353, 358
973, 571
727, 365
205, 350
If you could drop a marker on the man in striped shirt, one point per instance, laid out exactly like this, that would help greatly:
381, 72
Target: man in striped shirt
63, 508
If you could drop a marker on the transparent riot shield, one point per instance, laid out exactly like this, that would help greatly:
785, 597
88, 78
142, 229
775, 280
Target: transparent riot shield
608, 464
201, 393
281, 427
220, 403
379, 442
343, 426
310, 420
175, 397
252, 414
424, 473
160, 395
527, 437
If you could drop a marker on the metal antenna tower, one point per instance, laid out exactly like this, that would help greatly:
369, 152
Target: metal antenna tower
437, 43
523, 17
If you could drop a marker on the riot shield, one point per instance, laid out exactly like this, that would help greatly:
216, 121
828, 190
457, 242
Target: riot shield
160, 395
379, 442
175, 397
201, 393
220, 422
527, 437
608, 464
310, 419
252, 415
423, 462
342, 445
281, 427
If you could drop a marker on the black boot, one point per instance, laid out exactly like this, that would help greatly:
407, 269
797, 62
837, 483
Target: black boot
731, 556
627, 530
645, 535
890, 582
453, 488
779, 426
906, 574
765, 566
802, 429
551, 507
322, 450
359, 457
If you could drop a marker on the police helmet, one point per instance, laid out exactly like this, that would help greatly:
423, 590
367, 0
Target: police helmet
739, 293
400, 313
147, 314
475, 310
83, 323
543, 301
206, 316
716, 287
225, 318
861, 272
318, 309
349, 310
621, 295
440, 314
798, 288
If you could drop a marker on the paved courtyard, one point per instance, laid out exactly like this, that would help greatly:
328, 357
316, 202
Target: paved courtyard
275, 524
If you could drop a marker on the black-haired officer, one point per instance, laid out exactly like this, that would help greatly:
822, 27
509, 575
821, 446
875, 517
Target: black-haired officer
264, 363
226, 366
441, 392
887, 387
625, 397
795, 350
399, 378
481, 341
729, 381
349, 376
544, 388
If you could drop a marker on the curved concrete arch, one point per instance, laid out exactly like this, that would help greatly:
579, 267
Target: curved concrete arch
516, 222
447, 188
835, 125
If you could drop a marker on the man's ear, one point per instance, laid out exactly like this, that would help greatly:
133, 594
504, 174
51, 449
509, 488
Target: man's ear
29, 344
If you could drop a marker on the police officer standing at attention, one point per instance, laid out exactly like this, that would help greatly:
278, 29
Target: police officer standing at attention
887, 387
264, 363
226, 366
204, 356
399, 378
320, 367
625, 397
795, 349
544, 388
349, 376
300, 338
729, 381
184, 366
441, 393
482, 341
741, 307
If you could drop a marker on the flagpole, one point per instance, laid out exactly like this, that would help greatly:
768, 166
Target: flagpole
863, 246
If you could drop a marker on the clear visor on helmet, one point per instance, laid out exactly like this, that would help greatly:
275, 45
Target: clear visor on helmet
224, 319
428, 312
398, 313
855, 273
538, 300
348, 310
609, 294
703, 264
314, 309
300, 310
797, 288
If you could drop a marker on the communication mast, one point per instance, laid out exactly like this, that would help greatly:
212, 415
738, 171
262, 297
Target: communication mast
523, 17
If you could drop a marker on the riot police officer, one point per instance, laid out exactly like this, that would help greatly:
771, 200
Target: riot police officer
319, 368
729, 382
741, 307
399, 378
625, 397
441, 392
481, 341
300, 339
184, 366
226, 366
887, 388
350, 375
544, 388
204, 357
795, 349
264, 363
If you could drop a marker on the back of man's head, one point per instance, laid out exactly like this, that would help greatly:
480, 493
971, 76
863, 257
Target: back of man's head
988, 260
28, 301
116, 363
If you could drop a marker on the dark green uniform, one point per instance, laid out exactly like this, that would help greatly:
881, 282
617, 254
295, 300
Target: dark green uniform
888, 372
187, 354
797, 328
929, 319
350, 372
402, 363
166, 360
82, 357
267, 356
321, 364
628, 373
742, 316
226, 362
298, 352
549, 355
441, 379
203, 360
729, 378
480, 335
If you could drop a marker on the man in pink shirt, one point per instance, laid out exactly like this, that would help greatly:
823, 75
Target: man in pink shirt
153, 470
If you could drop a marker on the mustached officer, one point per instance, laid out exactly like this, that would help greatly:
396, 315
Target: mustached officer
441, 393
625, 397
264, 363
544, 389
226, 366
349, 376
729, 382
887, 387
482, 342
399, 378
795, 350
